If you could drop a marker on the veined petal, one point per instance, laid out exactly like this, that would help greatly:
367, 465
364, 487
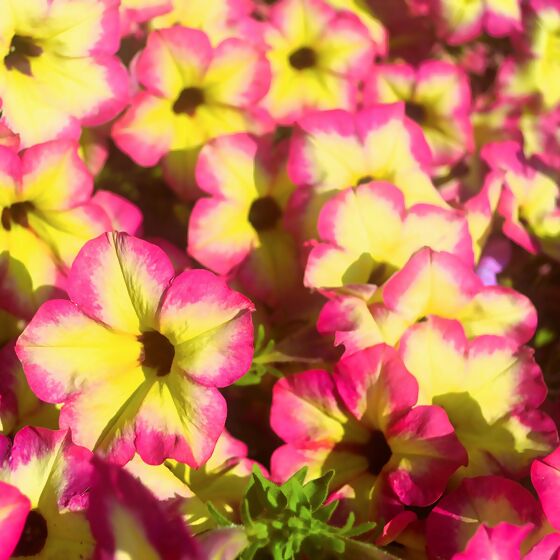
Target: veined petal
119, 280
210, 327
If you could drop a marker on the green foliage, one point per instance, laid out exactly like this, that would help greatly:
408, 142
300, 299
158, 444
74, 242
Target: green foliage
291, 520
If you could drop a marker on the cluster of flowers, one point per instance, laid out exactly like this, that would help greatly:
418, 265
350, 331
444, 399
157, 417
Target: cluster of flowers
250, 243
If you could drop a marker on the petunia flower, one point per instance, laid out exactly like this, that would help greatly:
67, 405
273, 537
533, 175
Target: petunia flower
137, 354
192, 92
335, 150
14, 508
317, 56
460, 21
240, 225
57, 68
367, 234
486, 501
47, 214
501, 436
135, 12
519, 192
430, 283
54, 475
364, 423
128, 521
436, 95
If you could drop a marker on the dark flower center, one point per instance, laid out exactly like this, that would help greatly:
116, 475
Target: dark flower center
21, 50
16, 214
264, 213
189, 100
303, 58
34, 535
158, 352
378, 452
363, 180
415, 111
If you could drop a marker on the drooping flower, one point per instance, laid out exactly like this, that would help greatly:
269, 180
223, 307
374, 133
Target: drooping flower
502, 436
137, 355
47, 214
128, 521
192, 93
460, 21
486, 501
364, 423
430, 283
367, 234
317, 56
57, 68
54, 475
436, 95
241, 224
335, 150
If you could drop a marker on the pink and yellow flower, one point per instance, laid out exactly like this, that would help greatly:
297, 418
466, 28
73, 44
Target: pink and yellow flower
58, 67
436, 95
47, 214
137, 354
135, 12
317, 56
54, 475
501, 436
364, 422
492, 502
241, 224
127, 520
460, 21
192, 93
335, 150
520, 193
367, 234
430, 283
545, 476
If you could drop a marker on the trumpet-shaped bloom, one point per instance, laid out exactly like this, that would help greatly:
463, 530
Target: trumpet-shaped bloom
486, 501
317, 57
460, 21
334, 150
192, 93
54, 475
241, 224
524, 196
136, 355
501, 435
367, 234
436, 95
57, 67
430, 283
14, 508
128, 521
364, 422
47, 214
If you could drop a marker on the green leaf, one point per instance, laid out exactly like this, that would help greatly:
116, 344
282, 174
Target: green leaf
317, 490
